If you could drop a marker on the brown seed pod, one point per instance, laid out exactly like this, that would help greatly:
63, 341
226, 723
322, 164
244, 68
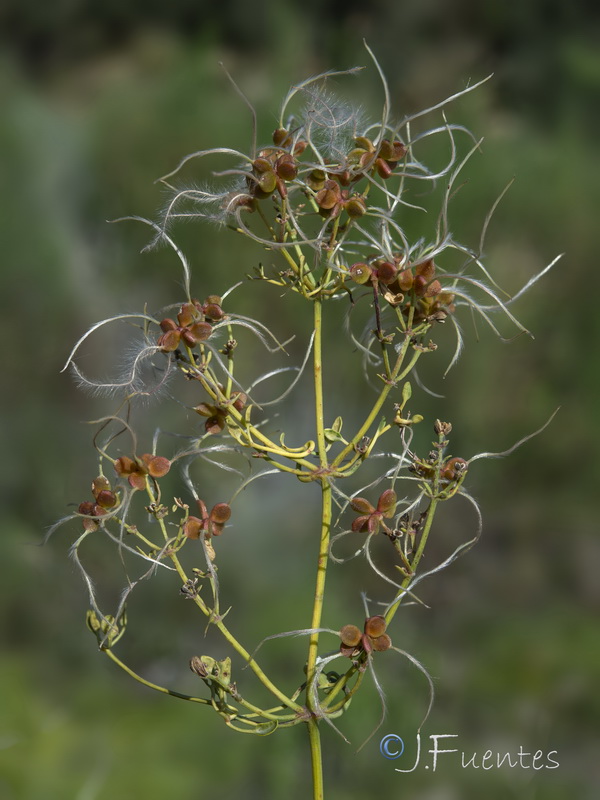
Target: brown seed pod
199, 331
188, 337
168, 324
192, 527
350, 635
420, 285
205, 410
220, 513
125, 465
286, 167
384, 170
386, 272
157, 466
106, 499
454, 468
240, 400
375, 626
392, 151
169, 341
213, 312
426, 269
345, 177
329, 196
433, 289
188, 315
381, 643
214, 424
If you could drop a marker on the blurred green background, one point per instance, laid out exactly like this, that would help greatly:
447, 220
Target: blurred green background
98, 100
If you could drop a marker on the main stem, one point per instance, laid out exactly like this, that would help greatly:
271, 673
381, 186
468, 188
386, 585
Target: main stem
313, 729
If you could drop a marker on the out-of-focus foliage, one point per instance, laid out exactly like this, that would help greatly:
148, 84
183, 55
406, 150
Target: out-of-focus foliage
99, 100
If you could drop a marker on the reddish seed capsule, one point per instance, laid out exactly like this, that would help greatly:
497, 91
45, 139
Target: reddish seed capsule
169, 341
420, 285
362, 524
383, 169
213, 311
361, 506
199, 332
387, 503
240, 400
188, 337
286, 167
386, 272
106, 499
168, 324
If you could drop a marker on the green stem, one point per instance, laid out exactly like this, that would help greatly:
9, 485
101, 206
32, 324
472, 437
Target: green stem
397, 375
313, 729
155, 686
237, 646
316, 759
415, 562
